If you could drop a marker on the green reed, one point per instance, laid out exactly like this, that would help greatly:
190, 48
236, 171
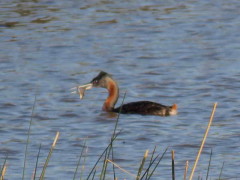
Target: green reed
221, 171
80, 157
103, 153
156, 165
28, 135
36, 165
83, 166
154, 150
110, 147
209, 164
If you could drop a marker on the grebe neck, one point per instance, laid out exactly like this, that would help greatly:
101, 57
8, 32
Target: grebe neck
113, 93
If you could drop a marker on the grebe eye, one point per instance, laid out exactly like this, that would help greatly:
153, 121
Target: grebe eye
95, 81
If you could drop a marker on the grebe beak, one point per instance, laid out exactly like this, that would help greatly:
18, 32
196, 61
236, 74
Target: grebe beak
81, 89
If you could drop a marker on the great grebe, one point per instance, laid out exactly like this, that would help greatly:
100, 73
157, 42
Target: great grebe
104, 80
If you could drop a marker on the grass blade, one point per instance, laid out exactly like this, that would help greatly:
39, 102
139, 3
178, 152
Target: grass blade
186, 170
84, 161
150, 165
4, 169
48, 157
114, 174
151, 160
157, 163
104, 167
209, 164
115, 164
107, 155
36, 166
3, 172
221, 171
116, 124
75, 173
94, 174
142, 164
4, 164
203, 141
101, 157
26, 148
173, 166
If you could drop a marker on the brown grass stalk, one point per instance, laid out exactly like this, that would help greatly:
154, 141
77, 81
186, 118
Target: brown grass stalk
3, 172
142, 164
49, 155
115, 164
186, 170
203, 141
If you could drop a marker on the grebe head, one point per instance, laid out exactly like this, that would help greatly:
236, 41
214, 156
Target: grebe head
100, 80
103, 80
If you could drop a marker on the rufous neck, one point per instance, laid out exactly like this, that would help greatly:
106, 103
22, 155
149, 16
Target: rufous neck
113, 93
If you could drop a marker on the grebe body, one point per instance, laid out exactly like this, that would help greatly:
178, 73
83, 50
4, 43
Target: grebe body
104, 80
147, 108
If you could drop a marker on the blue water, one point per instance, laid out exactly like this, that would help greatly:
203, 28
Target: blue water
165, 51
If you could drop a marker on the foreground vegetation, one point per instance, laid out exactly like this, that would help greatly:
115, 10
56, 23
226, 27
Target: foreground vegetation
147, 167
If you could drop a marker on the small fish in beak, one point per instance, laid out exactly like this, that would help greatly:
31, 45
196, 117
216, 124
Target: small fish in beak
81, 89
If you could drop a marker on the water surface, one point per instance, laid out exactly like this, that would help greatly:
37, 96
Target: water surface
164, 51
